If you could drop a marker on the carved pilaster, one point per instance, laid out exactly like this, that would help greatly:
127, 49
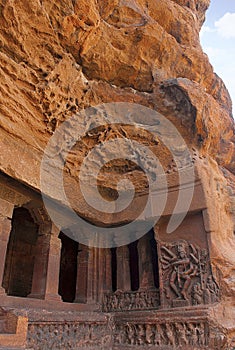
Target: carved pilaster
91, 275
88, 274
146, 276
47, 265
82, 274
94, 275
6, 210
107, 276
53, 266
123, 269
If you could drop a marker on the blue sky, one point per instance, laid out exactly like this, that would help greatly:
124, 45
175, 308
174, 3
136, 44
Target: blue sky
218, 41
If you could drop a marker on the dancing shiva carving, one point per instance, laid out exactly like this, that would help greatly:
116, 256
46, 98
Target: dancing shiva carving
186, 275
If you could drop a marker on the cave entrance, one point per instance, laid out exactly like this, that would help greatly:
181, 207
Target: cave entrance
68, 268
154, 258
134, 265
19, 264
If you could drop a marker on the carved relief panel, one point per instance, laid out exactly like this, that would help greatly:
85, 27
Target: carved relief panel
68, 335
185, 275
121, 301
167, 335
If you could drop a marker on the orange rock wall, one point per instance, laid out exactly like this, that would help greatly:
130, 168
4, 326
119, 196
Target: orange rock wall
60, 57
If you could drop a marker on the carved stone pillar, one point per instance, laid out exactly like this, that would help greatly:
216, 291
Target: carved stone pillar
146, 277
107, 284
47, 266
123, 269
93, 275
6, 210
82, 274
104, 273
87, 281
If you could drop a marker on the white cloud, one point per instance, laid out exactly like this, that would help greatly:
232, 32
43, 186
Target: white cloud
214, 53
223, 60
226, 25
206, 29
221, 52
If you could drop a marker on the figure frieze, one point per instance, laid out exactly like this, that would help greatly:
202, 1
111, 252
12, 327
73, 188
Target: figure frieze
172, 335
139, 300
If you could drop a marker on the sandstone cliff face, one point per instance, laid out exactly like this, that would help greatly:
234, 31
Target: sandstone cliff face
60, 57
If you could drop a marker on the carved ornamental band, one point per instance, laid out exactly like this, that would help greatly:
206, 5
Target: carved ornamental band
140, 300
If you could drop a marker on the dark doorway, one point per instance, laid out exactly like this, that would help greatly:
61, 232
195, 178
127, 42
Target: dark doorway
153, 244
134, 265
19, 263
68, 268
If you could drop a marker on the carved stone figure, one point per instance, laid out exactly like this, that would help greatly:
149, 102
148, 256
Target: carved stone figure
197, 294
192, 334
158, 338
149, 334
170, 335
137, 301
120, 335
181, 334
203, 261
131, 334
182, 272
140, 334
132, 303
142, 300
200, 334
212, 291
127, 300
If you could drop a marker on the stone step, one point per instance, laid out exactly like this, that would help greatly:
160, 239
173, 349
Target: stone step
13, 331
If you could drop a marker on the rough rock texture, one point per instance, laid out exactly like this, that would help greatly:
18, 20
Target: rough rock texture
60, 57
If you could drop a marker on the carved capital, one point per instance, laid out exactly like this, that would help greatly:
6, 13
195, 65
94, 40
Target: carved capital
5, 229
6, 209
